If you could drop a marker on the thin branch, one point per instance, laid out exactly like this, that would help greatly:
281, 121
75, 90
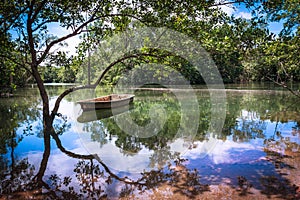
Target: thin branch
284, 86
42, 24
224, 3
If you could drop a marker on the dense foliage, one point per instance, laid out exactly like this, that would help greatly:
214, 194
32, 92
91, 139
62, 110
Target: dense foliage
243, 49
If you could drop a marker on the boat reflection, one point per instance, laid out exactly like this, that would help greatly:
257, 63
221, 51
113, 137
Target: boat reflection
94, 115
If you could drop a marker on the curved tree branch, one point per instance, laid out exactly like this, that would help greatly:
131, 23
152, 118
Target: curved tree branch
124, 180
91, 157
93, 86
69, 153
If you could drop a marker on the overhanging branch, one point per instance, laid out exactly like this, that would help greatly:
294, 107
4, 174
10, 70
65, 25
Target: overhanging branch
93, 86
297, 94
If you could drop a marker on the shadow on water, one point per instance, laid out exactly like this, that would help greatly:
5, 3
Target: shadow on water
267, 168
262, 175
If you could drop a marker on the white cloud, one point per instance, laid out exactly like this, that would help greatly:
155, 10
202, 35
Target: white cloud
228, 9
218, 151
72, 42
245, 15
113, 156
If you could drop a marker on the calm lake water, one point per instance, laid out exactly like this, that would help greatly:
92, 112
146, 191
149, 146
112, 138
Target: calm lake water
160, 141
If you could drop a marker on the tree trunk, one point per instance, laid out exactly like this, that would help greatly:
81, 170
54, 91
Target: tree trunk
47, 125
47, 118
45, 159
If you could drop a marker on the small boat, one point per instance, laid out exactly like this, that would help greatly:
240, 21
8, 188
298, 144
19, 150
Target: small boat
106, 102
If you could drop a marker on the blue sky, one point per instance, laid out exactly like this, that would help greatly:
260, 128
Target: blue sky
242, 11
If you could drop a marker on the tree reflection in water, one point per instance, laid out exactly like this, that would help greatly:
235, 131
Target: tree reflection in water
93, 176
94, 179
19, 178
